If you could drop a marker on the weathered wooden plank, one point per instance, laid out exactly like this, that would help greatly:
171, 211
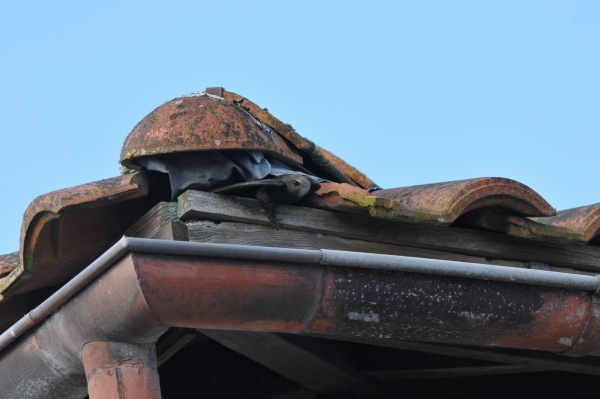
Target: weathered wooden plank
175, 231
258, 235
176, 340
304, 365
533, 359
449, 372
208, 206
160, 222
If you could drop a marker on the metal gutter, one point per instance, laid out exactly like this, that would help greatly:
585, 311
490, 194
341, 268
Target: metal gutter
65, 292
324, 257
461, 269
98, 332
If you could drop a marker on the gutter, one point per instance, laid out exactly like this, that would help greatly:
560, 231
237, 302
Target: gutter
158, 284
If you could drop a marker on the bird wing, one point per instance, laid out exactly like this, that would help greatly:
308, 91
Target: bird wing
248, 184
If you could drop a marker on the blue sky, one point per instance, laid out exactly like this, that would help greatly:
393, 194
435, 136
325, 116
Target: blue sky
409, 92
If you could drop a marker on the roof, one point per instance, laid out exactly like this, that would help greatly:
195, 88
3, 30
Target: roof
487, 220
495, 204
55, 241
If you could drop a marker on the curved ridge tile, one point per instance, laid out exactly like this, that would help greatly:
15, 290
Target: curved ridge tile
451, 199
571, 226
42, 230
333, 165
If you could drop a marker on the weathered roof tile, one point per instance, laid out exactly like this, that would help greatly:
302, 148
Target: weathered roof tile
67, 228
452, 199
440, 203
572, 226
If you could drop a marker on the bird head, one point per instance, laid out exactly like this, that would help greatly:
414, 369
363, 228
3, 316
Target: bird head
300, 186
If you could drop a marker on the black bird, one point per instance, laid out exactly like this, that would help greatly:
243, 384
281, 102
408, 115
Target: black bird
284, 189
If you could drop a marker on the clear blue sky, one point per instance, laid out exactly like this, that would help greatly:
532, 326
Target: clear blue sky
409, 92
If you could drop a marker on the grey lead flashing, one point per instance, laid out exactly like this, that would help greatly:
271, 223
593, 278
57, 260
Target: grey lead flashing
324, 257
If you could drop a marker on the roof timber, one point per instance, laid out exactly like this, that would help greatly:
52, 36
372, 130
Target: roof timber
255, 232
175, 341
251, 234
162, 222
318, 367
197, 205
536, 360
450, 372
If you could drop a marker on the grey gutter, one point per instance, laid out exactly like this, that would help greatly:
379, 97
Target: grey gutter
324, 257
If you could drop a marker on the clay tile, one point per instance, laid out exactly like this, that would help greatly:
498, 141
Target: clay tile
202, 122
337, 169
571, 226
66, 229
350, 199
447, 201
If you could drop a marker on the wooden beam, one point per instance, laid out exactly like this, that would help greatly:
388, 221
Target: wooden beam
208, 206
321, 369
172, 344
254, 234
534, 359
160, 222
449, 372
163, 222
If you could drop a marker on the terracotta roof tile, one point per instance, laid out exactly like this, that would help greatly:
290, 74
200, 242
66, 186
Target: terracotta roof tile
573, 226
452, 199
439, 203
337, 168
67, 228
